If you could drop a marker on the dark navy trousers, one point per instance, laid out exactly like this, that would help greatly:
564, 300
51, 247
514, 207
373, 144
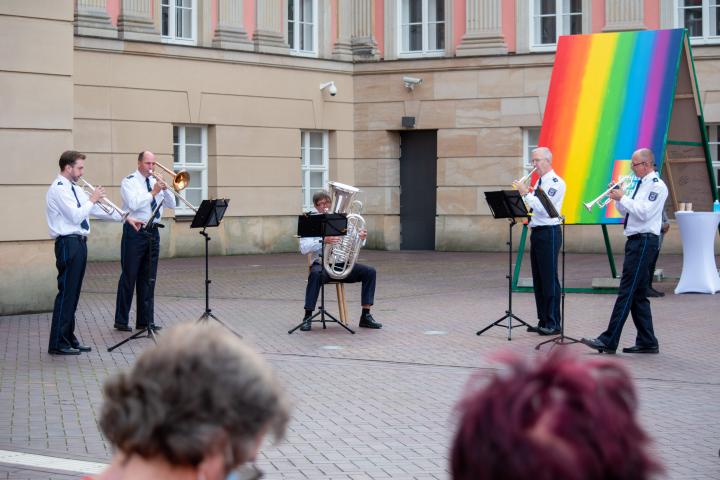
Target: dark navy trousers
137, 274
632, 294
70, 260
360, 273
545, 245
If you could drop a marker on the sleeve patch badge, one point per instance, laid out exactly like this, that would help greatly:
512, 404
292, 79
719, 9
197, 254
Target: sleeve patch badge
552, 192
653, 196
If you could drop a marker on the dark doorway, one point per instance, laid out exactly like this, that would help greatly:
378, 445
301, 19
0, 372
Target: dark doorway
418, 189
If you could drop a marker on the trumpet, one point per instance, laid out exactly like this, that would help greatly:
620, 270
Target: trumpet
526, 178
104, 203
626, 182
180, 181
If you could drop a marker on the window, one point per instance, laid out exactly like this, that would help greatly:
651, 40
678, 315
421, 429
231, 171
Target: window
422, 27
701, 18
714, 141
302, 21
530, 142
551, 18
178, 21
190, 153
314, 161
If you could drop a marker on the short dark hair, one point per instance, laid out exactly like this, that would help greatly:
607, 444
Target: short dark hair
69, 157
321, 195
196, 391
141, 155
557, 417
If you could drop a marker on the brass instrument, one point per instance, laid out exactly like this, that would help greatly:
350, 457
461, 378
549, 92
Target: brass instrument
180, 181
104, 203
626, 182
526, 178
339, 258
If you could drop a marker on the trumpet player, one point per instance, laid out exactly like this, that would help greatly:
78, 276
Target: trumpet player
144, 195
68, 208
643, 221
318, 275
545, 242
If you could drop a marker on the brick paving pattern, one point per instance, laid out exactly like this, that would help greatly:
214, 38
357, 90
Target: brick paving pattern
377, 404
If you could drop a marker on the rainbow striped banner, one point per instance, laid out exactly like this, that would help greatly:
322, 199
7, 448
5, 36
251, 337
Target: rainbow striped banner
610, 94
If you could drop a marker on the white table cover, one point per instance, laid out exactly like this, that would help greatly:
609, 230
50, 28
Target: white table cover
699, 271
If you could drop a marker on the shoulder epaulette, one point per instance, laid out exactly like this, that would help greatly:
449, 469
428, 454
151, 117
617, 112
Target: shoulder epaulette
131, 176
656, 179
59, 183
555, 179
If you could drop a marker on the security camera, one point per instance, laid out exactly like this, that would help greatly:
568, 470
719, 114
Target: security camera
331, 88
411, 82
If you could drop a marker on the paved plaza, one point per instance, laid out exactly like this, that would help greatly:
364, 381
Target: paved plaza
374, 405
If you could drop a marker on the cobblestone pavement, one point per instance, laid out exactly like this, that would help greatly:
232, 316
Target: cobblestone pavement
373, 405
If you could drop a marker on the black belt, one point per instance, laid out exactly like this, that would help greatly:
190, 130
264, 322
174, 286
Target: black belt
82, 238
641, 235
544, 227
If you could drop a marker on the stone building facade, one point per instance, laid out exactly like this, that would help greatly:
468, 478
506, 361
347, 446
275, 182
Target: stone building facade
231, 91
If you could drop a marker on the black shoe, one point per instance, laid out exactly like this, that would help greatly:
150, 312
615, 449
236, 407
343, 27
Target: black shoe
367, 321
155, 328
82, 348
641, 349
64, 351
654, 293
597, 345
547, 331
122, 328
534, 329
307, 325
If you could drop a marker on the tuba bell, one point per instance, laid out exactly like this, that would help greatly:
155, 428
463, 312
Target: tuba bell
339, 258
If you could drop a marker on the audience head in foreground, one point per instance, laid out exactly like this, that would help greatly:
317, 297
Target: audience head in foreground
197, 405
556, 417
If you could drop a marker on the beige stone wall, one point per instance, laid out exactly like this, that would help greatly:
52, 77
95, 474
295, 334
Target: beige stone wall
36, 121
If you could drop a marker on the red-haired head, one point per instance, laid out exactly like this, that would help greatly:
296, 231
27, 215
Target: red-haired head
557, 417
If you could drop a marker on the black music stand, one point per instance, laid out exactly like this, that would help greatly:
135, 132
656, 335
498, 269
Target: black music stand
507, 204
561, 339
322, 225
149, 330
209, 214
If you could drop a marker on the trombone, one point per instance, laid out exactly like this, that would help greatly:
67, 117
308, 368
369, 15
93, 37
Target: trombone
104, 203
625, 182
180, 181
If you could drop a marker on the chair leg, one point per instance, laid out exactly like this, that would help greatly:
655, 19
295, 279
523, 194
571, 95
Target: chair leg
342, 307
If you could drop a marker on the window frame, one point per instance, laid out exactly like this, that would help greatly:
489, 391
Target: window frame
551, 47
528, 147
705, 38
191, 168
294, 50
172, 24
424, 52
306, 169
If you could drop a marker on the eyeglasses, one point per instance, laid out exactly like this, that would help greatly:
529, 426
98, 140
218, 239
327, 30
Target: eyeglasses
639, 163
247, 472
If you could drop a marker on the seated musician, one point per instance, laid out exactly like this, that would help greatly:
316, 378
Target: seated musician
318, 276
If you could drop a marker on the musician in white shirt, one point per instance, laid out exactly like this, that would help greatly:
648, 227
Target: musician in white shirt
68, 208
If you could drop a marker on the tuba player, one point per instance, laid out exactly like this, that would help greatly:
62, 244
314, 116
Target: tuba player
318, 276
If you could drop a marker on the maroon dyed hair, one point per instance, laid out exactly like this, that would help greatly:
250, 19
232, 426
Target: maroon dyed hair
559, 418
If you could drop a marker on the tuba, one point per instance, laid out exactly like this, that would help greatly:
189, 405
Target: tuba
339, 258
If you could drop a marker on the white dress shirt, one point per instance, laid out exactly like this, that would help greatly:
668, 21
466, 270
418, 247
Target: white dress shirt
554, 188
64, 216
645, 210
137, 200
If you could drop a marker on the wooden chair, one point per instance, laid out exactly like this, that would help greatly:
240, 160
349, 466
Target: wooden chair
340, 290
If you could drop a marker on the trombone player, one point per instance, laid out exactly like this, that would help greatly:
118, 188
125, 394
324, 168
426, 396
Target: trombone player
144, 195
68, 208
545, 242
643, 221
